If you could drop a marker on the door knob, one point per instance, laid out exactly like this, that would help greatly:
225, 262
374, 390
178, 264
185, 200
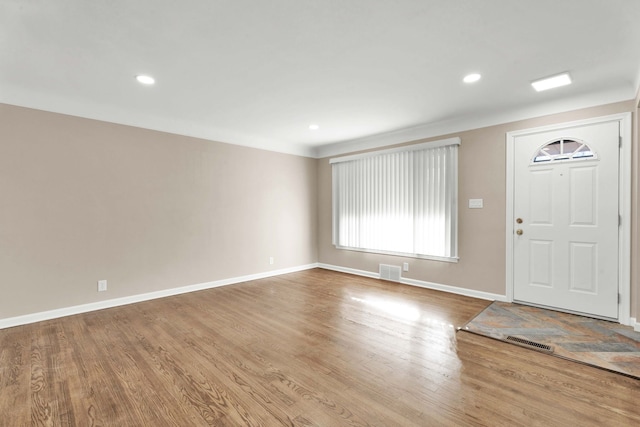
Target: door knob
519, 232
519, 220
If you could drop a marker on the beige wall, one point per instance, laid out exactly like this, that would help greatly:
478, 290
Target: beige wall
83, 200
482, 165
635, 213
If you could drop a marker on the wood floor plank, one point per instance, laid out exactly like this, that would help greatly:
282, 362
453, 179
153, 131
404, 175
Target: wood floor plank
595, 395
313, 348
15, 376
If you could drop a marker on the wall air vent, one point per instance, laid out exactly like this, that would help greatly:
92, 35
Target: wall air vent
390, 272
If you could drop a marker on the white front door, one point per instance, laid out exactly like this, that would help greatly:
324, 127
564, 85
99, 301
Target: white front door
565, 240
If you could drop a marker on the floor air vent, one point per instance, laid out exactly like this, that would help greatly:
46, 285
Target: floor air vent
390, 272
530, 344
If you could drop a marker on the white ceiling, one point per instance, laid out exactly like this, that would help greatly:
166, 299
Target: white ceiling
369, 72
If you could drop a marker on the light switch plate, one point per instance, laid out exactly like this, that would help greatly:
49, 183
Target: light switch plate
475, 203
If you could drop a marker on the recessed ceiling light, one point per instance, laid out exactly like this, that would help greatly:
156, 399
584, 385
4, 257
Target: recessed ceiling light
145, 80
471, 78
314, 127
552, 82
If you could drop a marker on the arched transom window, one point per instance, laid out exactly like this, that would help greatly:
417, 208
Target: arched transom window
564, 149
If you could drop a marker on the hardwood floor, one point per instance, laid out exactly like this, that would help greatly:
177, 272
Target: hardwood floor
315, 348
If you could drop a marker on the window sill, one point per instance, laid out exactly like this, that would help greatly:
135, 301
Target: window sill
401, 254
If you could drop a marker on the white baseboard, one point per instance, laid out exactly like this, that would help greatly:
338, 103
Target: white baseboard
116, 302
634, 323
422, 284
349, 270
455, 290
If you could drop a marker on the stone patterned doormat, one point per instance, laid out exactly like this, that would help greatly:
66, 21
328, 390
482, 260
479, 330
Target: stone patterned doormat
599, 343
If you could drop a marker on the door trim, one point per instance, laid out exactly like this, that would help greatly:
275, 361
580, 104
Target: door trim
624, 205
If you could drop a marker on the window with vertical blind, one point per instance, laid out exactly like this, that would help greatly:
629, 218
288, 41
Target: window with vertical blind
400, 201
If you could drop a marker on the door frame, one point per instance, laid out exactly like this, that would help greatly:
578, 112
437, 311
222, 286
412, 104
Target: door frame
624, 205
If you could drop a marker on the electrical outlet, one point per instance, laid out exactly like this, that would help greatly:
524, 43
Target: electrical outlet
271, 260
102, 285
405, 266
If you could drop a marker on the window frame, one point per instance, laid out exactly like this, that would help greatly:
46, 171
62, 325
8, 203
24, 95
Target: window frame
563, 156
454, 215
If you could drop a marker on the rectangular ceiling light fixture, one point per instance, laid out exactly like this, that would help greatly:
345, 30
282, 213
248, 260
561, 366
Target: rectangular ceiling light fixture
551, 82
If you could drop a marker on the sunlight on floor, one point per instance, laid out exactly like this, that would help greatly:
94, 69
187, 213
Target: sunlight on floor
401, 310
396, 309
